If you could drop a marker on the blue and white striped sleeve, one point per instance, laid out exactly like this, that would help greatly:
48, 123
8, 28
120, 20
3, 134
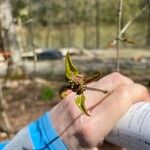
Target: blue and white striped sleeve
39, 135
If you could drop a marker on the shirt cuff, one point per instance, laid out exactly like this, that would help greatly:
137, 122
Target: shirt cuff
3, 144
44, 135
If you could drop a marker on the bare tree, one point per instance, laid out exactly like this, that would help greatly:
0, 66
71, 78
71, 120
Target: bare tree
148, 25
8, 42
126, 26
85, 23
97, 22
50, 18
1, 38
9, 38
118, 32
8, 32
69, 41
31, 45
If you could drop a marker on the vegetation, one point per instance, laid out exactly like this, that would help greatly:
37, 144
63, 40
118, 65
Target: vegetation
47, 93
66, 23
77, 83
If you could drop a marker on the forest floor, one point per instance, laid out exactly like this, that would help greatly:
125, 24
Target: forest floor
26, 101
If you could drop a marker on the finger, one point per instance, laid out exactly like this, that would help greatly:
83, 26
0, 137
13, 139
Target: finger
109, 83
115, 106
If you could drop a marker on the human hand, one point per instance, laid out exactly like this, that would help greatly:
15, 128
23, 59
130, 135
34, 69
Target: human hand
79, 131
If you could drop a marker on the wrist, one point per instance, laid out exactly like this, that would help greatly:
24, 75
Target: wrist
63, 121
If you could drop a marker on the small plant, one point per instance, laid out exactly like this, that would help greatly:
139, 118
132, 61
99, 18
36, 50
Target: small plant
77, 83
47, 93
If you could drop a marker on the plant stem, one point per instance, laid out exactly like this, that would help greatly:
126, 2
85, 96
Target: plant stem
118, 33
98, 90
131, 20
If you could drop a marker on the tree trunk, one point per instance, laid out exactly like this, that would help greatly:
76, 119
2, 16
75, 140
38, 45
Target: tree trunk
148, 25
4, 123
8, 35
7, 26
85, 24
97, 22
69, 38
8, 42
1, 38
50, 28
31, 46
118, 34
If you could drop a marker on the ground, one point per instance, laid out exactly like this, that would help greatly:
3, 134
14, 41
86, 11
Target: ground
25, 102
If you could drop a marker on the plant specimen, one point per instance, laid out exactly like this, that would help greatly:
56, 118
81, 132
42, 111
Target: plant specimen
78, 84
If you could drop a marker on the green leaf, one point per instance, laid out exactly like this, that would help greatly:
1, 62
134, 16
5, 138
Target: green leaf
128, 41
47, 93
80, 101
71, 70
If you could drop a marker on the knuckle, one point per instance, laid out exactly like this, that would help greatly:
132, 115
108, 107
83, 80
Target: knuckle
143, 91
121, 78
116, 75
124, 98
84, 130
123, 92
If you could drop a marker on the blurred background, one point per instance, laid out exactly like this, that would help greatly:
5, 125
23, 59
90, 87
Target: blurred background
35, 36
67, 23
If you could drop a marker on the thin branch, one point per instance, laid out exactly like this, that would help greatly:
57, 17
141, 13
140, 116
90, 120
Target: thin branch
131, 20
118, 32
98, 90
126, 26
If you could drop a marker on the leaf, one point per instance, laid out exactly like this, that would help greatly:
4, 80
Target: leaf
80, 101
71, 70
47, 93
65, 93
128, 41
94, 77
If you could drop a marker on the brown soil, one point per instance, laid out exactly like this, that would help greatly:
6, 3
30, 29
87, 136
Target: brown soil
25, 104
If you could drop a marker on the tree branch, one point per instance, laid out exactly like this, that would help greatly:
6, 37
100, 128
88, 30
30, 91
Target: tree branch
131, 20
123, 30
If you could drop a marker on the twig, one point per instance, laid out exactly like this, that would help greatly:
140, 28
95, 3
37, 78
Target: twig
131, 20
123, 30
98, 90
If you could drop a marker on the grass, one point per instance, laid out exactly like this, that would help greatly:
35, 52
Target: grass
47, 93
